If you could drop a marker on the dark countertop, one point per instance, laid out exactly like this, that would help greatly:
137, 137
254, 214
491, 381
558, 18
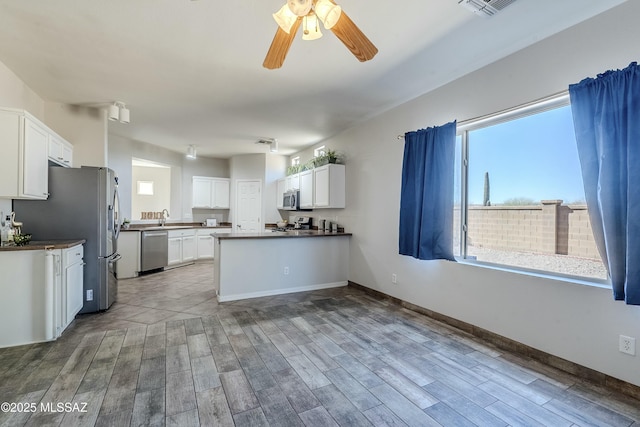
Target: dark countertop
144, 227
38, 245
279, 234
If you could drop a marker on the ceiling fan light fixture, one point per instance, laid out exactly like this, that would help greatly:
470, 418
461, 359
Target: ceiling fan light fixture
285, 18
311, 27
300, 7
328, 12
191, 152
114, 112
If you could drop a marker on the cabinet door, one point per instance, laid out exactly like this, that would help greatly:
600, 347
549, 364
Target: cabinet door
67, 155
35, 173
293, 182
73, 291
188, 248
55, 149
174, 251
221, 194
322, 186
205, 247
202, 189
306, 189
280, 190
330, 186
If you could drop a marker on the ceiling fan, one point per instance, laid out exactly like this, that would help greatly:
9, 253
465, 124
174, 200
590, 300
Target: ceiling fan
308, 12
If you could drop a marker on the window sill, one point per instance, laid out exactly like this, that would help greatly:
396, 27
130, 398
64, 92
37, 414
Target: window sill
587, 281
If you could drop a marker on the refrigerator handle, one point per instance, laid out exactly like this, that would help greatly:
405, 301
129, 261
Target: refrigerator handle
115, 211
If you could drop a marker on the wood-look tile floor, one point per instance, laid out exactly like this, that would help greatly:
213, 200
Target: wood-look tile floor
168, 354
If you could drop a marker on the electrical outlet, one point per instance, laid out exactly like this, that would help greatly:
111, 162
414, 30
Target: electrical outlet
627, 345
286, 271
394, 278
89, 294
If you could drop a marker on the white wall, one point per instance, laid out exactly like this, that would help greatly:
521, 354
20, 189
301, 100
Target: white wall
275, 169
85, 128
267, 168
577, 322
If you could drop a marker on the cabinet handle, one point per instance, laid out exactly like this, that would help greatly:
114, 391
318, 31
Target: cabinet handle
60, 158
66, 161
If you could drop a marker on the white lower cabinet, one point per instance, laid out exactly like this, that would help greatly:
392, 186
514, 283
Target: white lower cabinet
72, 283
129, 248
182, 247
204, 243
206, 247
48, 297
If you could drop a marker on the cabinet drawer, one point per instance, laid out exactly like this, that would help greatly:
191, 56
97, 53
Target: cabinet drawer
73, 255
182, 233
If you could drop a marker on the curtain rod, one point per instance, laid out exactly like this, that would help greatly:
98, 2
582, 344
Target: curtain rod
552, 101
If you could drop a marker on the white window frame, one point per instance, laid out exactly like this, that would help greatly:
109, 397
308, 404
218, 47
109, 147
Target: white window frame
320, 151
463, 129
295, 161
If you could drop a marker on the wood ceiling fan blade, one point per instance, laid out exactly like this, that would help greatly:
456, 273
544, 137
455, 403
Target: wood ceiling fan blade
280, 46
354, 39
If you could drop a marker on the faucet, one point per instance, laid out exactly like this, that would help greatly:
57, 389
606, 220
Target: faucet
163, 219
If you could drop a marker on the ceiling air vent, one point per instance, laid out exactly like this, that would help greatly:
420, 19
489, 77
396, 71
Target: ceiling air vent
485, 7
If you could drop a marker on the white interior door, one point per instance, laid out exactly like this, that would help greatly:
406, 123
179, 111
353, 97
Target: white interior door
248, 206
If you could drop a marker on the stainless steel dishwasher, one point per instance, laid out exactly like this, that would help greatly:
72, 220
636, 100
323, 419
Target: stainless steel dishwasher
154, 249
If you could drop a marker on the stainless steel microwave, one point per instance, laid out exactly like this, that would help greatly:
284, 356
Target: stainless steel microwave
291, 200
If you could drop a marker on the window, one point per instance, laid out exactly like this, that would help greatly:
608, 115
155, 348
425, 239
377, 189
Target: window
320, 151
295, 161
519, 198
145, 188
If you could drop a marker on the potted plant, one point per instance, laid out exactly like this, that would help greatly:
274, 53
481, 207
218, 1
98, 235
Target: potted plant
125, 223
330, 156
292, 170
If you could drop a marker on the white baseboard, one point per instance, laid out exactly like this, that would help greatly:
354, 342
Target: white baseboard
273, 292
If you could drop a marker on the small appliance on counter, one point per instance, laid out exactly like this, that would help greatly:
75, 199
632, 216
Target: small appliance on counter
302, 223
212, 222
327, 225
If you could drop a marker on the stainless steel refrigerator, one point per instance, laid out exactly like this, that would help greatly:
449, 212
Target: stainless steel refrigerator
83, 203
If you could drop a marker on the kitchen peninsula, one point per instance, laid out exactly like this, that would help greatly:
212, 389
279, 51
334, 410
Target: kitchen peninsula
250, 265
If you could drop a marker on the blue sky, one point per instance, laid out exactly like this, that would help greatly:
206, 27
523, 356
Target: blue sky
533, 157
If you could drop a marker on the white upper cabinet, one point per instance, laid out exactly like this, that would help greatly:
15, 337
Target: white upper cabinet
27, 145
329, 186
306, 189
293, 182
202, 188
24, 172
220, 194
35, 172
60, 151
210, 193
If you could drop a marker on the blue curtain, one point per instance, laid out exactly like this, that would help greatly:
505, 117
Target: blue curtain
426, 198
606, 116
